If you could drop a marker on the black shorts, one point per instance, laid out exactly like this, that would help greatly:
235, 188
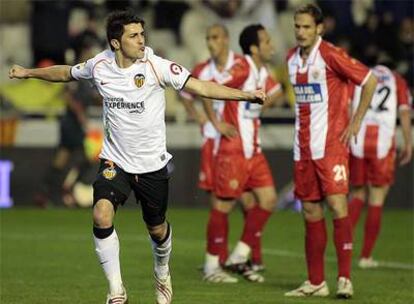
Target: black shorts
150, 189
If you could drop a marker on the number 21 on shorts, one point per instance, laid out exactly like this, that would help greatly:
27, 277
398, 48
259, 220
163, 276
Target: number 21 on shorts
340, 173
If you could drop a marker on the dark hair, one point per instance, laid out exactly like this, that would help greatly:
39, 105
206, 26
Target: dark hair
115, 24
249, 36
312, 10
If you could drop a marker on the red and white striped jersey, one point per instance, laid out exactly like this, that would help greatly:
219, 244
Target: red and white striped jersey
322, 98
241, 73
376, 136
243, 115
231, 76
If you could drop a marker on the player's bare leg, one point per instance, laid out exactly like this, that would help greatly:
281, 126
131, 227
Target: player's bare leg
343, 243
161, 241
250, 242
217, 231
107, 249
315, 245
376, 200
355, 205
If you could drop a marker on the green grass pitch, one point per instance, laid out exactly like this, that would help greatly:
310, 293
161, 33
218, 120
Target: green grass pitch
47, 256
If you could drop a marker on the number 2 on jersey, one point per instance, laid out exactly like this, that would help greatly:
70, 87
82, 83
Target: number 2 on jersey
340, 173
381, 106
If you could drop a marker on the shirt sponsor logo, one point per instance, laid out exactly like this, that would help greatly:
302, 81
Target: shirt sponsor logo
120, 104
175, 69
308, 93
139, 80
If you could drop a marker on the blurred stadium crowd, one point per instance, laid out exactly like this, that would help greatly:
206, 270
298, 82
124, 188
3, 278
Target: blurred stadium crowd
56, 31
41, 33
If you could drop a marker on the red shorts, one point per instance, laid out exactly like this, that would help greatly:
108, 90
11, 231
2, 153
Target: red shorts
234, 174
373, 171
315, 179
205, 177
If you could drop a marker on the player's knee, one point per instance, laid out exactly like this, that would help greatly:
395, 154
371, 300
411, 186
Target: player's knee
339, 209
223, 205
312, 212
359, 193
269, 202
158, 232
103, 213
248, 204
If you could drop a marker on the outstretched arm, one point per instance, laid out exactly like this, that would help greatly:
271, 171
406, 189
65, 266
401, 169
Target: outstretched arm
213, 90
55, 73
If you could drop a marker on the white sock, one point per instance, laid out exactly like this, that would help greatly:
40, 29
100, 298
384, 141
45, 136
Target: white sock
240, 254
107, 250
162, 253
211, 264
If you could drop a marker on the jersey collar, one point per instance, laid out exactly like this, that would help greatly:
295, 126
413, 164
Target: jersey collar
312, 56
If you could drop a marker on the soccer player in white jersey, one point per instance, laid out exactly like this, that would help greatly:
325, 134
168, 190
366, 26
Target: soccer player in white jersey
320, 73
372, 162
131, 80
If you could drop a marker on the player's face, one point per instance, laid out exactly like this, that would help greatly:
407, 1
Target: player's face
217, 41
266, 49
133, 41
306, 30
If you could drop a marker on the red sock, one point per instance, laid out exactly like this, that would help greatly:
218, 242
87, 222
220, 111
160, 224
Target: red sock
372, 229
343, 245
354, 210
254, 222
315, 245
217, 232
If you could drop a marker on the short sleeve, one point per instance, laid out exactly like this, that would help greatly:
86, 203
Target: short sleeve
350, 68
404, 98
271, 86
236, 75
169, 73
196, 74
82, 70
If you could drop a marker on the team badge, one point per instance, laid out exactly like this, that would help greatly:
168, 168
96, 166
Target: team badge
234, 184
315, 74
110, 172
139, 80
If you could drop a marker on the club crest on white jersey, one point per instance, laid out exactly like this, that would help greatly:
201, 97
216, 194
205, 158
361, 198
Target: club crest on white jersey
133, 107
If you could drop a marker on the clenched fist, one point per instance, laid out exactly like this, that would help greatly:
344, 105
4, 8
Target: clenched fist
18, 71
260, 97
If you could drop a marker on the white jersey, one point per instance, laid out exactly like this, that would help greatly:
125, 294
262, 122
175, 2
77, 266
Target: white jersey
378, 126
133, 107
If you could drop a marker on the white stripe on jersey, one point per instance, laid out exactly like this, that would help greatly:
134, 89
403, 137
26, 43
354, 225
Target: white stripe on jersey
382, 113
319, 112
